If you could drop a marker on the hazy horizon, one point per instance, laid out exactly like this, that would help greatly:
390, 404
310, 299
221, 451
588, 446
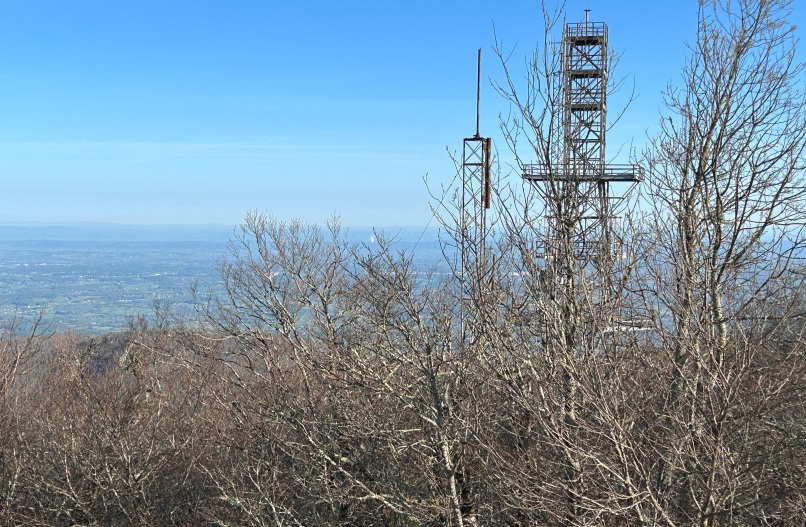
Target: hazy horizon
212, 232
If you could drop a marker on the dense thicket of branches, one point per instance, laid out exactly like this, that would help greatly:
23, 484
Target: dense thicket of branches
338, 384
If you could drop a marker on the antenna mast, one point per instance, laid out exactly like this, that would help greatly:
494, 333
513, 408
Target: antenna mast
475, 200
478, 93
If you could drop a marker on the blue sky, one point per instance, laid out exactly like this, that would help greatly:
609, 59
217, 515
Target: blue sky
198, 111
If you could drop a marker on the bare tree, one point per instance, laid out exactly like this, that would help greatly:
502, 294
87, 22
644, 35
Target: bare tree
111, 438
20, 347
726, 177
552, 330
371, 422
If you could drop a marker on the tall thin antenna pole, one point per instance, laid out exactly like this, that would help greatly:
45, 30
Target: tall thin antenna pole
476, 191
478, 94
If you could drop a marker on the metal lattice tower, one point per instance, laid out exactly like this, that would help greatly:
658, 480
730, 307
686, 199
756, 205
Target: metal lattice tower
475, 199
577, 188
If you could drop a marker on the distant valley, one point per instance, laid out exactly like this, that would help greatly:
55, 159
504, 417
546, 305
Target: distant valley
93, 278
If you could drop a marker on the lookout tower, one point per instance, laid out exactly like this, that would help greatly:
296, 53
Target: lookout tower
577, 189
